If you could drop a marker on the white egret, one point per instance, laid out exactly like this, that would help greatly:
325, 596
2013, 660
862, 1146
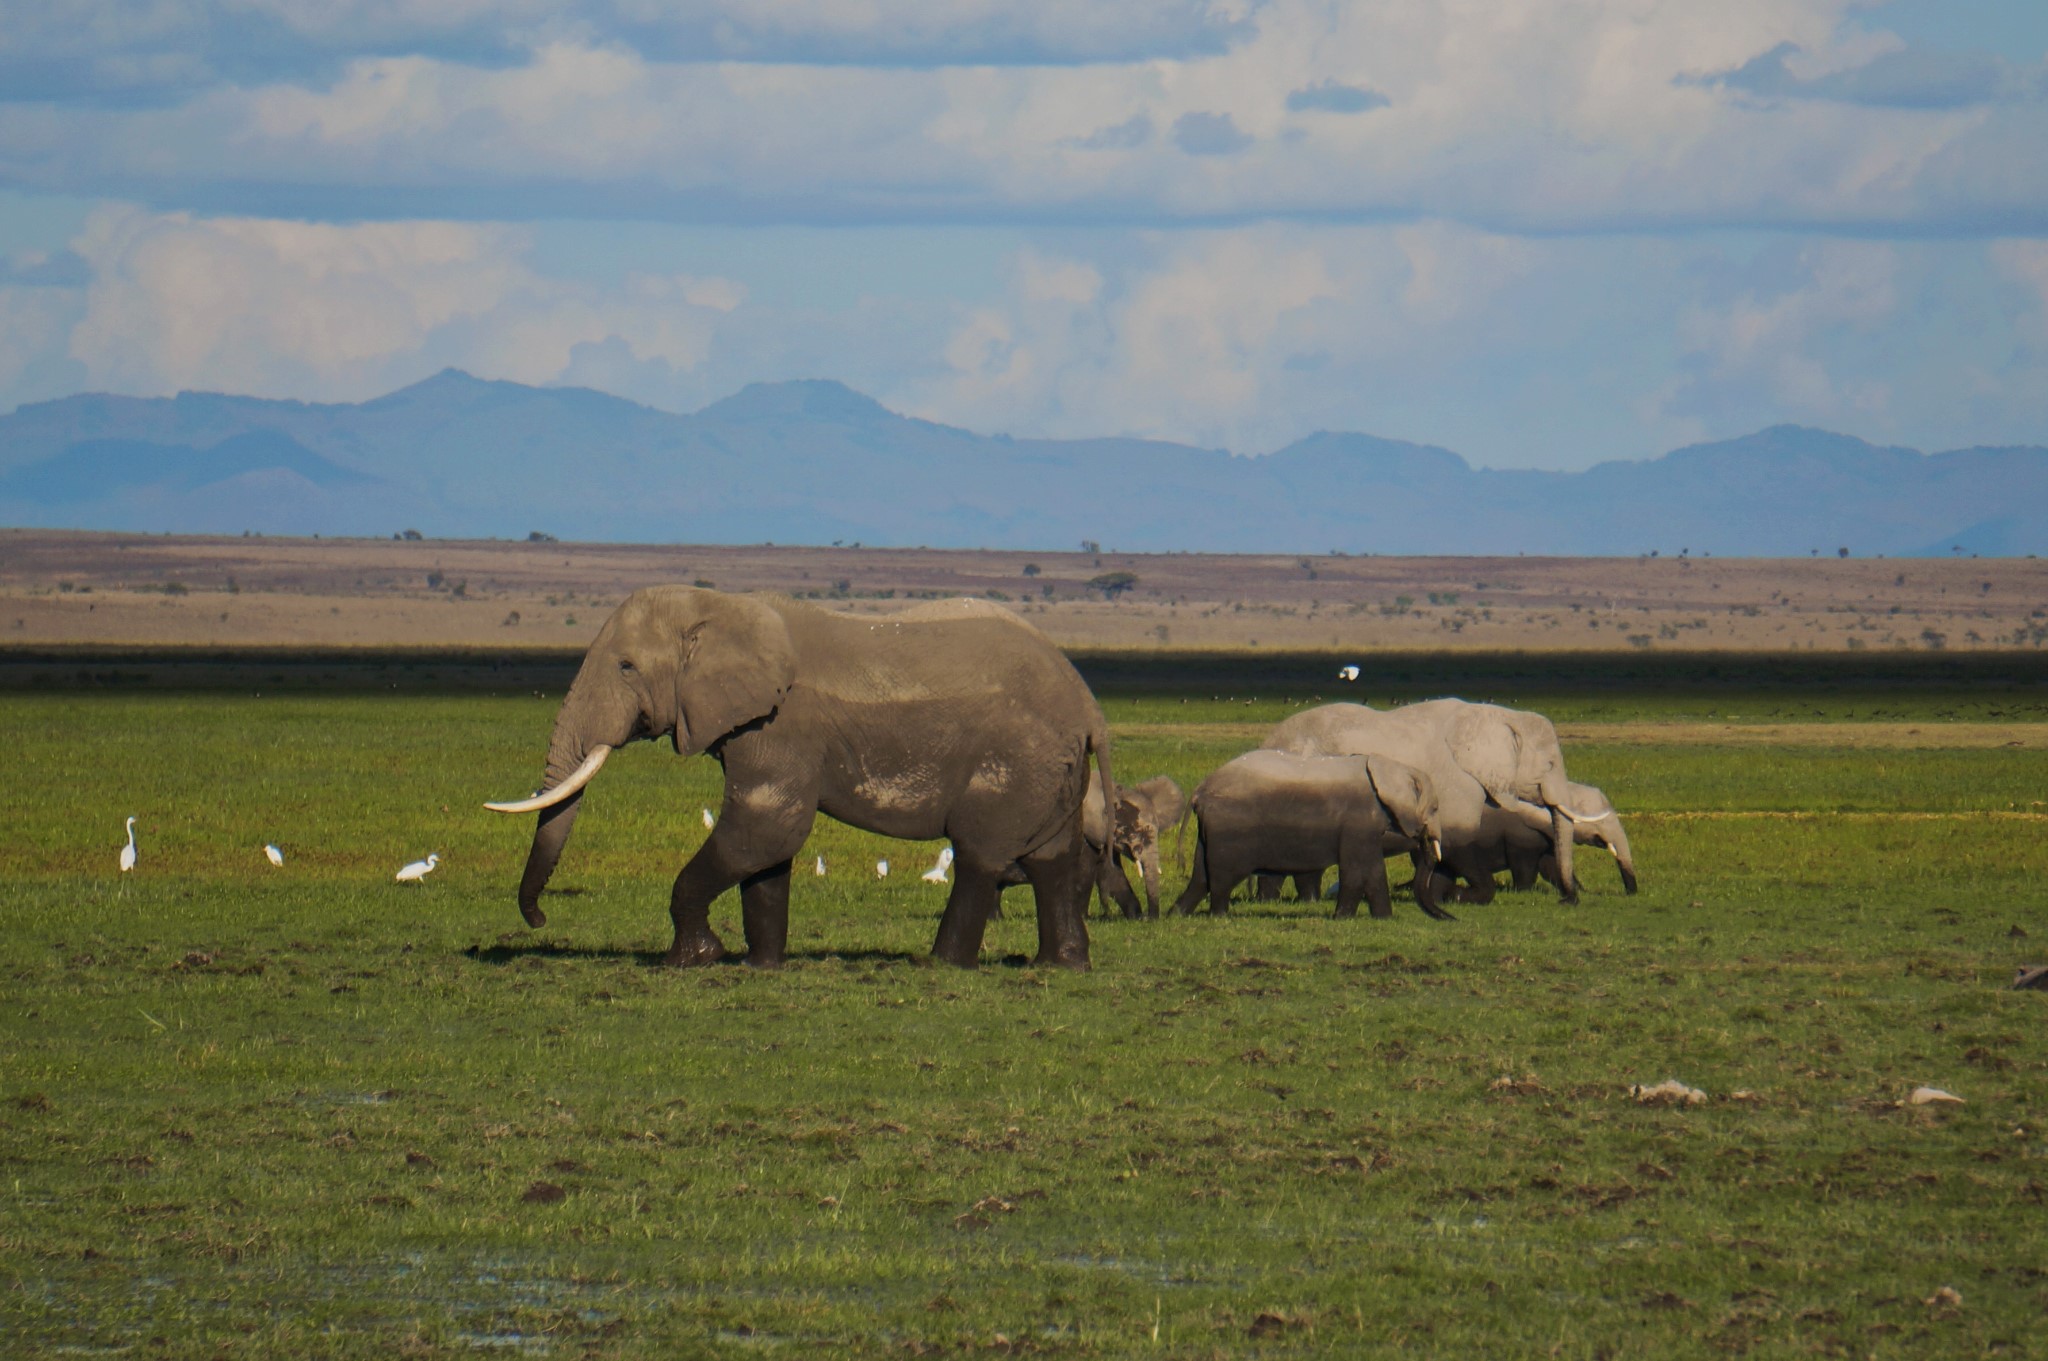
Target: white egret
937, 873
882, 868
128, 851
274, 856
820, 870
418, 869
709, 821
1349, 673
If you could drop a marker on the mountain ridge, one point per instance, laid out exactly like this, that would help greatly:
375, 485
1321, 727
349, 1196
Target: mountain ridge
814, 461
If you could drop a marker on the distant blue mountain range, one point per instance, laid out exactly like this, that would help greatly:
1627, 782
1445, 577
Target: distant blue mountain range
815, 462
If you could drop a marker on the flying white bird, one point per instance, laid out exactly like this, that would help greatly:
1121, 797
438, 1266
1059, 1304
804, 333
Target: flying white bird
882, 869
1349, 673
937, 873
820, 870
128, 851
417, 870
274, 856
709, 821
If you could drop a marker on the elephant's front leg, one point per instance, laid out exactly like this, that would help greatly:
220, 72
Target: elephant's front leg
753, 843
689, 907
764, 915
1363, 874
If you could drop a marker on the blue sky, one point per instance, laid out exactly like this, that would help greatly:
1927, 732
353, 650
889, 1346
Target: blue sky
1541, 232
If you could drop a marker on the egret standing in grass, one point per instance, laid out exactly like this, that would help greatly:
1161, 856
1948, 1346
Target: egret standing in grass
709, 821
820, 870
937, 873
1348, 673
274, 855
882, 868
128, 851
418, 869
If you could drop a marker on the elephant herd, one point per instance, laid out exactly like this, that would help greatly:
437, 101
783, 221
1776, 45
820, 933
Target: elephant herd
959, 720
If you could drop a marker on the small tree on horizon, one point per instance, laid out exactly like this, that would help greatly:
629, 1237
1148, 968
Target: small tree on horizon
1113, 584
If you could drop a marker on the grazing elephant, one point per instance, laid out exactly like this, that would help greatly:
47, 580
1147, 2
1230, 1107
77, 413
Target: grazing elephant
1278, 813
967, 725
1509, 842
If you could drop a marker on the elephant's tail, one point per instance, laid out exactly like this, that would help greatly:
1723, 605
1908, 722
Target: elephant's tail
1098, 742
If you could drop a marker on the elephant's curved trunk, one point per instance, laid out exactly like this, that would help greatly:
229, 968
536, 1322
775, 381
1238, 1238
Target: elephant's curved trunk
572, 760
1617, 841
1561, 839
549, 837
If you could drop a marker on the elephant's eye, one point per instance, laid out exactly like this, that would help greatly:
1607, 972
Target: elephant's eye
626, 668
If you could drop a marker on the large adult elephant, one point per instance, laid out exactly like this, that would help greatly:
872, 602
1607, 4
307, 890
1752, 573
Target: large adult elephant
1516, 757
963, 724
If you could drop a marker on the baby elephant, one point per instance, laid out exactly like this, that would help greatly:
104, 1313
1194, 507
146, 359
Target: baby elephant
1272, 812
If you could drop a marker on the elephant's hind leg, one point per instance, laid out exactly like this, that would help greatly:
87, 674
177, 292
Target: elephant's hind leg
1061, 877
973, 897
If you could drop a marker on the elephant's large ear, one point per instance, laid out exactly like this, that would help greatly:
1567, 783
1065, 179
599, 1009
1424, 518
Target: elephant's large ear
1402, 790
737, 664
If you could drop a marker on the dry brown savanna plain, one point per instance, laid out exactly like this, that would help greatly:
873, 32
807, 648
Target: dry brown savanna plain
118, 590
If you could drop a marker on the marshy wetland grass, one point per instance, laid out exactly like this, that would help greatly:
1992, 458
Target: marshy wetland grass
248, 1111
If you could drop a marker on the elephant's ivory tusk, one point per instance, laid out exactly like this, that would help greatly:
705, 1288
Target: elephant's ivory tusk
548, 798
1575, 817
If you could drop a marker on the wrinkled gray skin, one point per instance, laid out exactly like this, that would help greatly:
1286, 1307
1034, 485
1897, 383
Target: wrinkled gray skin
1144, 811
1510, 756
1275, 812
965, 726
1524, 851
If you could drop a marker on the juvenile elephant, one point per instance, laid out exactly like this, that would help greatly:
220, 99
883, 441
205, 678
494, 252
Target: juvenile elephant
970, 726
1278, 813
1145, 811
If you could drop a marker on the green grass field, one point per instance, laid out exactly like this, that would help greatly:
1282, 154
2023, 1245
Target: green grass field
258, 1112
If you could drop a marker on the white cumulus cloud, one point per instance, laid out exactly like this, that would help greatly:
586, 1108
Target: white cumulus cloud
279, 308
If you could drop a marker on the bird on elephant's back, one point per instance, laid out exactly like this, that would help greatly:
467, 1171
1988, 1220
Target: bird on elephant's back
963, 724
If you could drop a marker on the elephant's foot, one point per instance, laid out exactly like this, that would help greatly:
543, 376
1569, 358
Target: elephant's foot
959, 959
534, 916
1067, 956
691, 952
762, 959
